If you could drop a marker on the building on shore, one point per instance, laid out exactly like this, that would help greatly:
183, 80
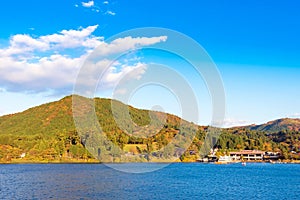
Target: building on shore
242, 155
272, 155
247, 155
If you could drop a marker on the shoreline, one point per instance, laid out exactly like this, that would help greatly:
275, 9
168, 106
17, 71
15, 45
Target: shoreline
98, 162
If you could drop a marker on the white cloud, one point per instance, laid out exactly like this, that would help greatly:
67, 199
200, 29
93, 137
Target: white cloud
53, 72
94, 7
22, 45
127, 43
230, 122
87, 4
109, 12
48, 62
74, 38
76, 5
106, 74
122, 91
295, 115
113, 76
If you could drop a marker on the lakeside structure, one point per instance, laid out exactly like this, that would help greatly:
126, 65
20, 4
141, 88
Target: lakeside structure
248, 155
242, 155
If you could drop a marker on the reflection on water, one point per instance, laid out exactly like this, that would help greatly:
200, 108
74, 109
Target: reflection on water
176, 181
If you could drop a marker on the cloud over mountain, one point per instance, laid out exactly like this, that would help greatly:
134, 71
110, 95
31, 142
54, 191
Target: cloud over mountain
51, 62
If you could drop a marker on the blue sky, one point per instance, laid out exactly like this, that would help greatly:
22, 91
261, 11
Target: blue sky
254, 45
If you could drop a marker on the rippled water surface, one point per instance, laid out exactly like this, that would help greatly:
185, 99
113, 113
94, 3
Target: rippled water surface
176, 181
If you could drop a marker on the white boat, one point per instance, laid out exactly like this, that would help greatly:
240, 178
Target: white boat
224, 160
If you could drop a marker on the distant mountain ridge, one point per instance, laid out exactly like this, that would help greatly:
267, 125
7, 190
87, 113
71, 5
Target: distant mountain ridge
288, 124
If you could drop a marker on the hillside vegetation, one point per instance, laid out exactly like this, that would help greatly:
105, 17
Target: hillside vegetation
47, 133
285, 124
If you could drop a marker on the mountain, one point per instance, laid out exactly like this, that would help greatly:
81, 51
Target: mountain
79, 129
284, 124
47, 133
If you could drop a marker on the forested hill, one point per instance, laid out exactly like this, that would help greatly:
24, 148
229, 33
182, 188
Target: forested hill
46, 119
285, 124
47, 133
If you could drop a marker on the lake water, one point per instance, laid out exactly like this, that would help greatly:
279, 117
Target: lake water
176, 181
